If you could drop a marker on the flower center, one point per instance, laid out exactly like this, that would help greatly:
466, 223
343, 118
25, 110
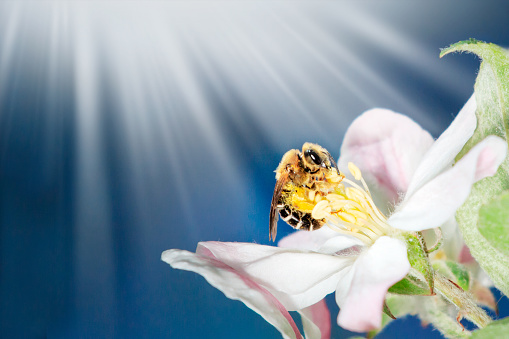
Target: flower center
351, 210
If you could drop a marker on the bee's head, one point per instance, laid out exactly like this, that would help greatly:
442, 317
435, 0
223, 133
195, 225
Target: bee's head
315, 157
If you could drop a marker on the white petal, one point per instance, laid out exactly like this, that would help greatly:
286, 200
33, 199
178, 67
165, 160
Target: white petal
387, 147
316, 321
384, 264
342, 245
296, 278
315, 240
236, 286
441, 155
437, 201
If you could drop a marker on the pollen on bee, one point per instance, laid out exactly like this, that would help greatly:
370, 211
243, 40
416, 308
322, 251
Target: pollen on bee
311, 195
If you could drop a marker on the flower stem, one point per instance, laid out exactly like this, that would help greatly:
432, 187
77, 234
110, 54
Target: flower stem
462, 300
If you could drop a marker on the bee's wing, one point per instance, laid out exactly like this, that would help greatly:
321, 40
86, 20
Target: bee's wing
273, 206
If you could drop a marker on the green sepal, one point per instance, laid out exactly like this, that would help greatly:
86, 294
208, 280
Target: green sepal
454, 271
497, 329
494, 222
419, 281
418, 258
410, 286
388, 311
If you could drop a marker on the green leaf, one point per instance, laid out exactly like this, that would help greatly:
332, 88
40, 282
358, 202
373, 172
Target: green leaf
494, 222
491, 90
497, 329
492, 96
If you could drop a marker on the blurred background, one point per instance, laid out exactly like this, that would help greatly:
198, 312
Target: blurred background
128, 128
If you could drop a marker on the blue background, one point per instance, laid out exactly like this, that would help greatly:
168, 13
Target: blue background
128, 128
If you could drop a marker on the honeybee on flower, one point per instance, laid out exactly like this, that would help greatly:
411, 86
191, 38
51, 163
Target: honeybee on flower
310, 192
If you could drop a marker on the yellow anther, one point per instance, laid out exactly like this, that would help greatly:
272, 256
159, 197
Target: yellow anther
356, 172
321, 210
354, 194
339, 204
336, 177
346, 217
332, 197
350, 209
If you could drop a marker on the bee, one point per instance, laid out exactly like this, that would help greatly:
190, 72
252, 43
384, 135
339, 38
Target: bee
302, 179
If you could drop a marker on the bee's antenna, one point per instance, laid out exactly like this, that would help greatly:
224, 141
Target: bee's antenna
334, 164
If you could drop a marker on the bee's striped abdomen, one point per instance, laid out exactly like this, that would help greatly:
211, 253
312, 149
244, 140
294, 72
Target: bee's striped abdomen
297, 219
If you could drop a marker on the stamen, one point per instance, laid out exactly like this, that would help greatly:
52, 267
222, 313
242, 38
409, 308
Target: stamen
358, 214
351, 210
340, 224
321, 210
356, 172
368, 223
346, 217
359, 236
368, 197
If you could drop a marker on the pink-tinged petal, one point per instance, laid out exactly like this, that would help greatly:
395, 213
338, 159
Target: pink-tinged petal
296, 278
314, 240
490, 157
316, 321
387, 147
441, 155
437, 201
377, 269
237, 286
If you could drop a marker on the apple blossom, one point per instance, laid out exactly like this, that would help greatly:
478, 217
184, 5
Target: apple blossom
363, 252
